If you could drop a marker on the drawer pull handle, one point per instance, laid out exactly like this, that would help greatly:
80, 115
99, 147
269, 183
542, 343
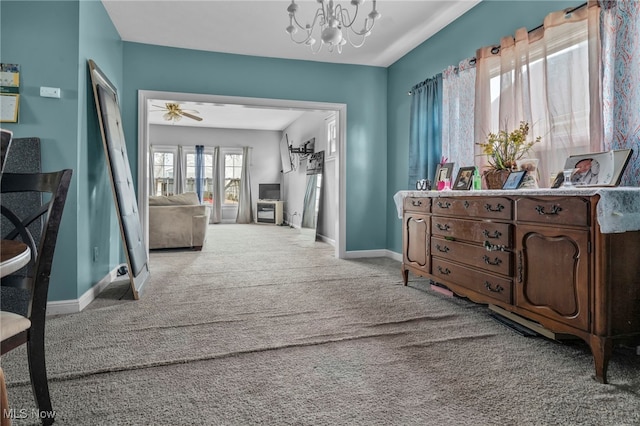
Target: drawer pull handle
488, 207
466, 204
442, 227
494, 247
497, 289
444, 271
416, 203
496, 234
494, 262
441, 249
444, 205
554, 210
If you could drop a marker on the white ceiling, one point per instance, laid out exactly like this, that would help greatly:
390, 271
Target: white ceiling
257, 27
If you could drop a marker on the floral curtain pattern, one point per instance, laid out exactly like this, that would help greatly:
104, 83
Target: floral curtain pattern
458, 100
620, 26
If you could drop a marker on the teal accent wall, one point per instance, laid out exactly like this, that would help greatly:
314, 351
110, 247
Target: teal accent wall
363, 89
51, 41
483, 25
54, 52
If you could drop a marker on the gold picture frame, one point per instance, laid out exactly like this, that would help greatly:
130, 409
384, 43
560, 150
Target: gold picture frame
9, 106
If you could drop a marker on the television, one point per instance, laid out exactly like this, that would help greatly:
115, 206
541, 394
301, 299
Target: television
269, 191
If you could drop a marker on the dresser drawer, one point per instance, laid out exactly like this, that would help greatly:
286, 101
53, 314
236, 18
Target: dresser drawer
485, 208
480, 282
557, 211
417, 204
478, 231
472, 255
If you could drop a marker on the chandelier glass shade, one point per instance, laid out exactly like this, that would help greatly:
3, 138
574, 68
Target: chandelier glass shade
333, 24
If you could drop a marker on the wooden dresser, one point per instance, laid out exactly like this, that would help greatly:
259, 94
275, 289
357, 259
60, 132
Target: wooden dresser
543, 257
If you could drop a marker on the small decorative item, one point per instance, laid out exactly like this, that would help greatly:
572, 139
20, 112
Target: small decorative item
443, 174
423, 185
531, 177
503, 149
514, 180
464, 179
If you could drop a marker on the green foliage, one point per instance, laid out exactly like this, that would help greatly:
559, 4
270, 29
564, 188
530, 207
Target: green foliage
504, 148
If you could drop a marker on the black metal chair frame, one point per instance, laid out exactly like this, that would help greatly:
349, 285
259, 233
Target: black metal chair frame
35, 282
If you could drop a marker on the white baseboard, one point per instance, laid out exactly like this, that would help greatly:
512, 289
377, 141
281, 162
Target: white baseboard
327, 240
73, 306
358, 254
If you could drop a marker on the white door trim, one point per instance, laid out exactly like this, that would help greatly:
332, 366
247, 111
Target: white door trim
143, 146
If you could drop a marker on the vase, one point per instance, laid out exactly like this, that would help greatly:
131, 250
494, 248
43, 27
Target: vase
495, 179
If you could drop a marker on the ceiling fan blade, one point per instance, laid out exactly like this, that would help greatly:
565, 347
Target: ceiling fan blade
191, 116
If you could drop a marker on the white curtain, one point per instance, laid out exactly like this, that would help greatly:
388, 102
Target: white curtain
216, 214
549, 78
245, 209
179, 175
458, 98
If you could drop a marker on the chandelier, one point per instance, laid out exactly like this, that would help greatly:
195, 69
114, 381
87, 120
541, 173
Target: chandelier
332, 19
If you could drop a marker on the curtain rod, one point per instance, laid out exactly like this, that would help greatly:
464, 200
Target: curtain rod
496, 49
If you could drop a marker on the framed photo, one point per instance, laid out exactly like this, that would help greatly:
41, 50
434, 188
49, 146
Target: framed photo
514, 180
598, 168
465, 178
9, 104
444, 171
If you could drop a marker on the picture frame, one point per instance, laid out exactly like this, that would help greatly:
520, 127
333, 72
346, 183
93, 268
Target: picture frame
598, 168
464, 180
9, 106
514, 180
443, 171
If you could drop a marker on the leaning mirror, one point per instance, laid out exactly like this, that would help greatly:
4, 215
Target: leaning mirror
312, 195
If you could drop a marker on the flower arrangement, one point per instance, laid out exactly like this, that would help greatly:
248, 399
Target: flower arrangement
504, 148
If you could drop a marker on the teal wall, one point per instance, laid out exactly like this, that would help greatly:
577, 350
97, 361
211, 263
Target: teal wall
54, 52
481, 26
362, 89
51, 40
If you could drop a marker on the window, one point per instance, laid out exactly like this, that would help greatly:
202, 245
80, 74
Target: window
543, 78
163, 167
232, 170
190, 175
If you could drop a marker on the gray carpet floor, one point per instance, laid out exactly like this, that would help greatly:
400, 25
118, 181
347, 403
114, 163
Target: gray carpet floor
266, 327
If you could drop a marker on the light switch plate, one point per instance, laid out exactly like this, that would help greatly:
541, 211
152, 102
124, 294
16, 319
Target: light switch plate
50, 92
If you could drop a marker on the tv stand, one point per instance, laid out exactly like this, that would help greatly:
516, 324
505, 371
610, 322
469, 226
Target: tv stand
269, 211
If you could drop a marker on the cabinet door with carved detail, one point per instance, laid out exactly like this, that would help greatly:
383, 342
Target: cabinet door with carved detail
552, 273
416, 240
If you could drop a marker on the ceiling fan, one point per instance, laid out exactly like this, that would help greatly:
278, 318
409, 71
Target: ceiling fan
173, 112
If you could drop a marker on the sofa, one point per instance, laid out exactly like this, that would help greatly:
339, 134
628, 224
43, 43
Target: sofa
177, 221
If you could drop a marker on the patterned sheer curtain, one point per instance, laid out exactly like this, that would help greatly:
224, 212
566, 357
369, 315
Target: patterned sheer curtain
425, 131
548, 77
620, 26
199, 181
245, 209
458, 100
216, 213
179, 175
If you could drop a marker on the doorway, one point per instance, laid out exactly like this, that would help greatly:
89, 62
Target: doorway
144, 96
